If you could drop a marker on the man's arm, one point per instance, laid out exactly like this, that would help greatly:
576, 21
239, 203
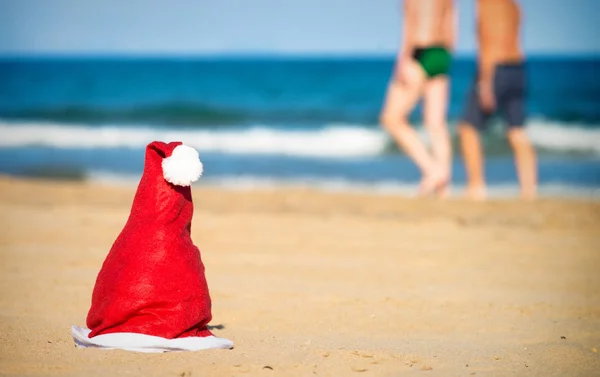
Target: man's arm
406, 46
487, 97
486, 59
487, 67
450, 25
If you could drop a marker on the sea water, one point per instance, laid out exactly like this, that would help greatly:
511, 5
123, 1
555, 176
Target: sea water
274, 121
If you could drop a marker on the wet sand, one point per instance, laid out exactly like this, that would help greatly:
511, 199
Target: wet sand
310, 283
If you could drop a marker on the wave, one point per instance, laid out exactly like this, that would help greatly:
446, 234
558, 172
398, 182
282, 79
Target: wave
556, 136
332, 141
184, 114
169, 113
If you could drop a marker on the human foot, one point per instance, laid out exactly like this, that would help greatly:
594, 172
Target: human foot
476, 193
443, 190
434, 182
529, 194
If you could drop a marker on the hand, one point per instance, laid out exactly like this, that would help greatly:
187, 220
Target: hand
401, 59
399, 74
486, 96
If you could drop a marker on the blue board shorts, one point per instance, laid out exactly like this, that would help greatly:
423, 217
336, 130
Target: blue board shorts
510, 84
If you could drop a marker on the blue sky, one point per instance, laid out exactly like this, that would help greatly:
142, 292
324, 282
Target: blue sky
263, 26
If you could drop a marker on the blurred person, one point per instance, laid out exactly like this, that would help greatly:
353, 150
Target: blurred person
500, 86
421, 71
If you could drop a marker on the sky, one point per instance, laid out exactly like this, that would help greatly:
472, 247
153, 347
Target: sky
200, 27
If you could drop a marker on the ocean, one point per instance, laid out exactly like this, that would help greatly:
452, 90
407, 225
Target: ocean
274, 121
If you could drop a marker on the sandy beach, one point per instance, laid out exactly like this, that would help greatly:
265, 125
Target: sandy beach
312, 283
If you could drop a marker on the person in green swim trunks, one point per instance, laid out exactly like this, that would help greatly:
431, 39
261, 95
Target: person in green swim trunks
421, 71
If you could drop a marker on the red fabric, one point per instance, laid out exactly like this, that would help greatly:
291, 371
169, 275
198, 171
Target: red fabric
152, 281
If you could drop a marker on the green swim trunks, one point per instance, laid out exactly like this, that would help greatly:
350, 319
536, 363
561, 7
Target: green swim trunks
435, 60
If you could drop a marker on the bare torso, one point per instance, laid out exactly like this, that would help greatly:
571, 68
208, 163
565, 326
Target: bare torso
498, 31
426, 22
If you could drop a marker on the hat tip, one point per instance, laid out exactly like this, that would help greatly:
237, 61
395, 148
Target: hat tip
183, 166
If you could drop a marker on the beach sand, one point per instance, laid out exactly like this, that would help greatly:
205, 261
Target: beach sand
311, 283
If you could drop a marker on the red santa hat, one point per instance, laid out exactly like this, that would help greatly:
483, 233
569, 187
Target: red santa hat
151, 293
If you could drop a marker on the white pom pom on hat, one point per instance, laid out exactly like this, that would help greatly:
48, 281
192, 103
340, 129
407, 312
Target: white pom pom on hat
183, 166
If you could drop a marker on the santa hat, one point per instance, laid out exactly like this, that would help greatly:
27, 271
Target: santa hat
151, 294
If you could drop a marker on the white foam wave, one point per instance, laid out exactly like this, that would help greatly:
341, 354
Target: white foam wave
336, 140
555, 136
332, 141
334, 184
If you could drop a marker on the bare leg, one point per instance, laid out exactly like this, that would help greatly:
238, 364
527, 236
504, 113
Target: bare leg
435, 111
401, 97
473, 157
525, 161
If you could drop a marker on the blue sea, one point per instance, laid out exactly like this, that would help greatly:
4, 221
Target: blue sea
275, 121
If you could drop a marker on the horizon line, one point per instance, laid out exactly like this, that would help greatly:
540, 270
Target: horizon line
258, 55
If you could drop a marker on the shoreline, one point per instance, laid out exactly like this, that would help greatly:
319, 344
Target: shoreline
402, 190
